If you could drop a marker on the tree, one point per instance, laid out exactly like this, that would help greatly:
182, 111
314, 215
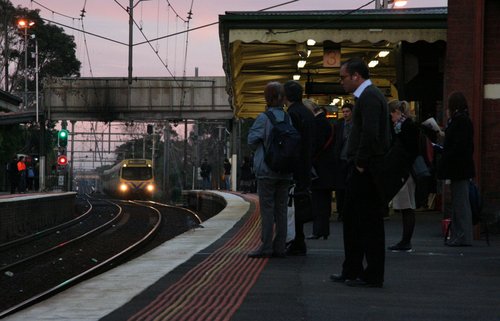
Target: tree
57, 50
56, 58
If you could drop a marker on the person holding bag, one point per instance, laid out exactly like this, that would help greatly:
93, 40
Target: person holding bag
406, 133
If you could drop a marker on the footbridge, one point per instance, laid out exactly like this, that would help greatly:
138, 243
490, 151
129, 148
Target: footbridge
147, 99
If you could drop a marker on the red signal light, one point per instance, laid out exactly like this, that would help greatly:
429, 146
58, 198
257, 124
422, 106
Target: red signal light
62, 160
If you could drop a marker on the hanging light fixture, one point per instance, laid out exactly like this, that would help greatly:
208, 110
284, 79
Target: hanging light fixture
301, 63
383, 53
373, 63
400, 3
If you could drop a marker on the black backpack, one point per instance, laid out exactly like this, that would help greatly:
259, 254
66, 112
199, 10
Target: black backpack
284, 140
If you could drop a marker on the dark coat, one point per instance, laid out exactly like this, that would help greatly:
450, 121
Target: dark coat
246, 171
399, 160
340, 167
457, 159
370, 136
303, 120
323, 158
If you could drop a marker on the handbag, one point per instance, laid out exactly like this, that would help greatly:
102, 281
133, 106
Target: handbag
420, 167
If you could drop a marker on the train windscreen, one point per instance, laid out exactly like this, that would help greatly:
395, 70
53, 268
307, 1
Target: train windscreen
137, 173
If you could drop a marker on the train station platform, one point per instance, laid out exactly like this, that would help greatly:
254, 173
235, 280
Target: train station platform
205, 274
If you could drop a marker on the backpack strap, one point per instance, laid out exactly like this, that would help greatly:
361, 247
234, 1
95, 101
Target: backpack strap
272, 118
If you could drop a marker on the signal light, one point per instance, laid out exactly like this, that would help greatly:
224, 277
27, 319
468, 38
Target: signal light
62, 160
62, 138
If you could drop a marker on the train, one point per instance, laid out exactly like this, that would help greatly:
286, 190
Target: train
129, 179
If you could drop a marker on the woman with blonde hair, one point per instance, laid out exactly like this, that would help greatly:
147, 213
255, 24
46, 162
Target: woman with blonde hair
405, 132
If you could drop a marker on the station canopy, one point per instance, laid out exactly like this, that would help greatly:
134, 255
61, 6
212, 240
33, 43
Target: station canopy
259, 47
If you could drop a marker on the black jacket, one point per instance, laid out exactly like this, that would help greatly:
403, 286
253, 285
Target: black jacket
370, 136
458, 148
302, 120
323, 158
400, 158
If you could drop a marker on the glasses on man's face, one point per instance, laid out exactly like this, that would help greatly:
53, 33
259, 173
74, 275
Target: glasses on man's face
342, 77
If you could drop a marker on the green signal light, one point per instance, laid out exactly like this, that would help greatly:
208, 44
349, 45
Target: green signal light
62, 138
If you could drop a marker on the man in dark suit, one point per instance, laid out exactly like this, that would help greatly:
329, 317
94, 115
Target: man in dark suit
364, 236
302, 120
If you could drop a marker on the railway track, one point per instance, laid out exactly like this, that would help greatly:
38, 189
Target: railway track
39, 266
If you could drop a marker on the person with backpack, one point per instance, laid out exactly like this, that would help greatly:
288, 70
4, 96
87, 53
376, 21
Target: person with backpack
272, 185
406, 133
457, 165
303, 121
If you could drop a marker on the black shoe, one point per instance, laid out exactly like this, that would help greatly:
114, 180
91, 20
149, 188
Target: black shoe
456, 244
400, 247
316, 237
279, 255
259, 255
296, 249
340, 278
359, 283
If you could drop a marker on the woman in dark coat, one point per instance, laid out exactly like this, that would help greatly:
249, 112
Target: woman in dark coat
457, 165
405, 133
323, 174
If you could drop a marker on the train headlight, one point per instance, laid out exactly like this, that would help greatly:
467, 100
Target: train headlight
123, 187
150, 187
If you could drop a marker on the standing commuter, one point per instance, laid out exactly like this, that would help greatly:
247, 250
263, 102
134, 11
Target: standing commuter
227, 174
246, 175
302, 120
21, 168
205, 172
364, 236
272, 187
342, 131
405, 133
457, 165
13, 174
322, 161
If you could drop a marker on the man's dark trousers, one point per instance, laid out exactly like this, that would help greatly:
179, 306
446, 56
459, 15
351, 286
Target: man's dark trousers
364, 235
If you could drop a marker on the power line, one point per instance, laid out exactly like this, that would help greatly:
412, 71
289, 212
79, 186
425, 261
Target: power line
149, 43
55, 12
327, 21
86, 32
178, 16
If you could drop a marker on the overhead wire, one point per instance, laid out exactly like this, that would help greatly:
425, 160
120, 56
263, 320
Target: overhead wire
183, 96
149, 43
174, 11
327, 21
55, 12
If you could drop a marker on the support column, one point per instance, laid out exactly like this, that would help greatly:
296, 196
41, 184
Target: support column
234, 156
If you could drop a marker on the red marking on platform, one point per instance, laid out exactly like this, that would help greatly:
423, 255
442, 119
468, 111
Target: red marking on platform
215, 288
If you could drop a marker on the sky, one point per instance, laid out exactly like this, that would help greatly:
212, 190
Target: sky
159, 18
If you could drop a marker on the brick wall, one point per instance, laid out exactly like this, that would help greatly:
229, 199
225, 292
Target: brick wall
490, 139
461, 63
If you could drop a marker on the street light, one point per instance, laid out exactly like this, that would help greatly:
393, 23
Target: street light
384, 4
25, 24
